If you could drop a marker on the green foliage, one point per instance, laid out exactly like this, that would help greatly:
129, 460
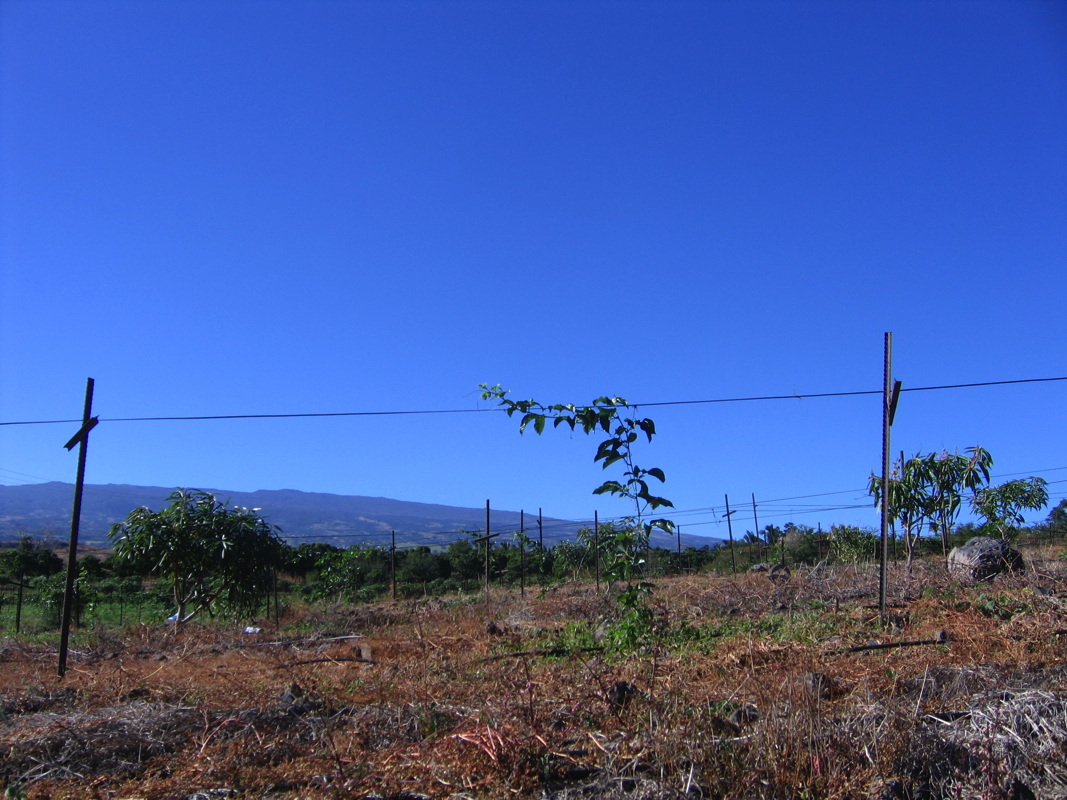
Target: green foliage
803, 545
92, 567
1002, 506
772, 534
609, 415
633, 627
851, 544
343, 573
949, 476
929, 490
910, 503
1057, 517
119, 588
419, 565
28, 559
128, 567
1001, 606
623, 545
537, 559
464, 560
303, 560
573, 636
569, 558
212, 557
48, 591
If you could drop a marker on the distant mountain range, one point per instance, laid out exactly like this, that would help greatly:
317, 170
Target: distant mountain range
341, 520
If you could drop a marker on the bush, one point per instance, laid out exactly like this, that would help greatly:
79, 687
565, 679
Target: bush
851, 544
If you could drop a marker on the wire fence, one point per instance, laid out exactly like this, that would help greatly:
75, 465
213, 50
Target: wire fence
319, 575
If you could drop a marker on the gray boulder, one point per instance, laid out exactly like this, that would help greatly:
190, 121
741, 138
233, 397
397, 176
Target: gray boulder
983, 558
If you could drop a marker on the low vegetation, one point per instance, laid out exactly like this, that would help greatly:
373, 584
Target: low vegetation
602, 668
741, 687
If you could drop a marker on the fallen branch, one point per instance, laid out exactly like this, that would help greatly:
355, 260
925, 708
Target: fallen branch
942, 638
290, 642
327, 661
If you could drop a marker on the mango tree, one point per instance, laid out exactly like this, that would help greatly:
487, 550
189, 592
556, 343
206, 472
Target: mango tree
948, 476
213, 557
910, 503
930, 490
1002, 506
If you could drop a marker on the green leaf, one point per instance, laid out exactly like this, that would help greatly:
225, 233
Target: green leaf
649, 427
539, 424
657, 473
614, 487
606, 447
663, 524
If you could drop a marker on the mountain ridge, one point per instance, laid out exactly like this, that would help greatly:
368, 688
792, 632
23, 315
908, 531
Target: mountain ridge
341, 520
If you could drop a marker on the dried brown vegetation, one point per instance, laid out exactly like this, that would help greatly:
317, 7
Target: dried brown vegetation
749, 689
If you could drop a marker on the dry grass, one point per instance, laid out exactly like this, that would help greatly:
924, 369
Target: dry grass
751, 693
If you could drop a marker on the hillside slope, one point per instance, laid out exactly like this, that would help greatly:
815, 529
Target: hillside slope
341, 520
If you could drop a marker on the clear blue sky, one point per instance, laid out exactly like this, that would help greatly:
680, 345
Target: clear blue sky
284, 207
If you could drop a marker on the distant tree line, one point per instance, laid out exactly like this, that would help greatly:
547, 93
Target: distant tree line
153, 577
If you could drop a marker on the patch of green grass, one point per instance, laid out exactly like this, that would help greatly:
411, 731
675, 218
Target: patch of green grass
807, 627
573, 636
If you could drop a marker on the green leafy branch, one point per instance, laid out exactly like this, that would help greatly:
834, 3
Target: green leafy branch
612, 416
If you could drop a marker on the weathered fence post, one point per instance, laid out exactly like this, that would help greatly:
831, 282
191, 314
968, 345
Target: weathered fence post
81, 438
730, 528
